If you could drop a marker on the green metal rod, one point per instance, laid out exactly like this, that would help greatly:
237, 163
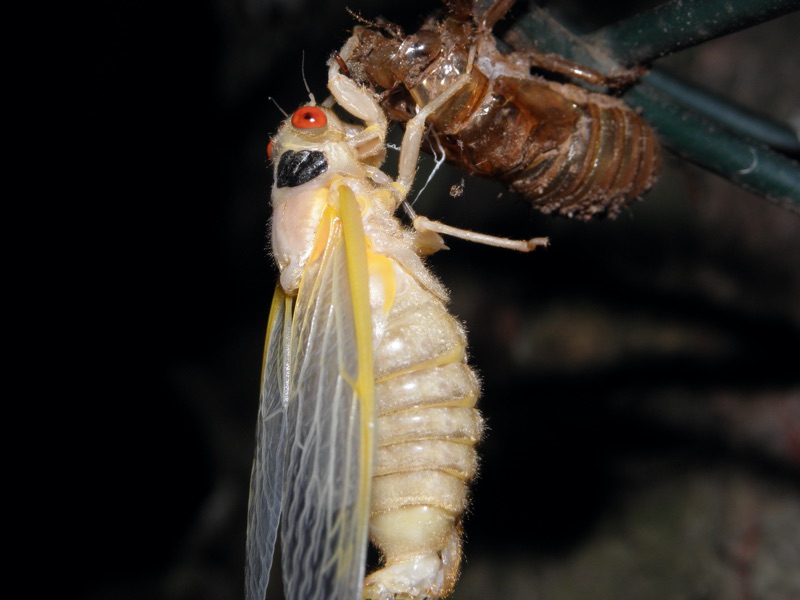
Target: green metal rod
736, 118
682, 23
702, 141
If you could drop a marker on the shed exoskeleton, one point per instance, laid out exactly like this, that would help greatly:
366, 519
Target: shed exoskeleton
567, 150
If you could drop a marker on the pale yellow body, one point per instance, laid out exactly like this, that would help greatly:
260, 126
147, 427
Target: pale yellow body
427, 427
425, 394
367, 422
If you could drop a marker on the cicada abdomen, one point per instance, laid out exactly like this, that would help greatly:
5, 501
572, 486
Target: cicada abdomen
427, 428
565, 149
580, 154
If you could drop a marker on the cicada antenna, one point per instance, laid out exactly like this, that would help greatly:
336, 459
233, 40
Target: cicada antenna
380, 23
275, 102
305, 83
359, 18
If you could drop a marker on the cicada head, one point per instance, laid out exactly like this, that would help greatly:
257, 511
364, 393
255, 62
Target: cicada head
383, 60
298, 151
314, 144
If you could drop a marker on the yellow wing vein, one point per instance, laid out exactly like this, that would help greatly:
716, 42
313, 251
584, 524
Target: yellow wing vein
356, 252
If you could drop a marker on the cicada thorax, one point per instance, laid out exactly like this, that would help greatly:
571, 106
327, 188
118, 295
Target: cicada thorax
427, 428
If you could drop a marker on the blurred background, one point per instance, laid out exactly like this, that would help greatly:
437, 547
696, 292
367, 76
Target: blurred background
641, 378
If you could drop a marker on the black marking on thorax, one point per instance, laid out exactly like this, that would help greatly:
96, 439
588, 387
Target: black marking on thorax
296, 168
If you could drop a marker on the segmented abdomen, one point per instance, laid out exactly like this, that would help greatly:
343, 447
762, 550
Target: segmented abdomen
565, 149
610, 159
427, 427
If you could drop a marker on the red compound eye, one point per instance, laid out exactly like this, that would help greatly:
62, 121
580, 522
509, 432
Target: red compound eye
269, 149
309, 117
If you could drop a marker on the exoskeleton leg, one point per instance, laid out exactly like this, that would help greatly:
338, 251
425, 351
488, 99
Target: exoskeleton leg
554, 63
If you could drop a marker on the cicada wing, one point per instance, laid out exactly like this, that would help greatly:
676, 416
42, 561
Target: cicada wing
267, 477
330, 417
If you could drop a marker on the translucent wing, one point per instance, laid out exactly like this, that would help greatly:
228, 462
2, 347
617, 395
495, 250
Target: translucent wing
330, 418
266, 480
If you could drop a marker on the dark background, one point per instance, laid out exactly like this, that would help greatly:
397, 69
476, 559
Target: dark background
640, 376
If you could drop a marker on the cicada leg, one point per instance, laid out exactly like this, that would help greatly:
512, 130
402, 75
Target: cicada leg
425, 227
496, 11
555, 63
370, 142
415, 130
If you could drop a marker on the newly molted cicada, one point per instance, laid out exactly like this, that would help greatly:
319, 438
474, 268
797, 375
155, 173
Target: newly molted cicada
565, 149
367, 422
